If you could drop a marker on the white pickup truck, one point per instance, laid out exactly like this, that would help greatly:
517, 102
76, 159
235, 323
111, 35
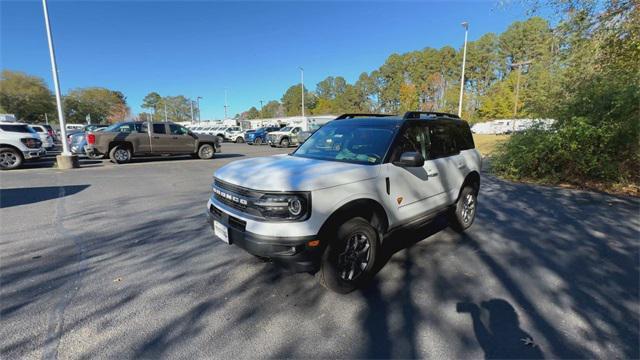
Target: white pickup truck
18, 142
328, 206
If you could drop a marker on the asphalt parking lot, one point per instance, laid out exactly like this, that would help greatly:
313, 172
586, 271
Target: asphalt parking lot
116, 261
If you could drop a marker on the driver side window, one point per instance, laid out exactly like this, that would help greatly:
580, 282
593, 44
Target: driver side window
414, 138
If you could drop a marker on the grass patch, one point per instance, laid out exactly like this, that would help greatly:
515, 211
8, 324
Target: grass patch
486, 143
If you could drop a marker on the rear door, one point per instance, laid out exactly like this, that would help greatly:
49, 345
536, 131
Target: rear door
182, 141
445, 151
161, 141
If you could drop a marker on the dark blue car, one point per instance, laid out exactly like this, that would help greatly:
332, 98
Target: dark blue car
259, 136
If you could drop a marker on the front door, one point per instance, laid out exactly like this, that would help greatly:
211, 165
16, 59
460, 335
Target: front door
182, 142
414, 191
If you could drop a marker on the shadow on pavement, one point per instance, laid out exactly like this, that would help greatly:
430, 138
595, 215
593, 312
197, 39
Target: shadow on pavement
30, 195
502, 338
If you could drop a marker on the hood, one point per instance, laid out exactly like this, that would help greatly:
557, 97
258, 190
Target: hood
278, 132
292, 173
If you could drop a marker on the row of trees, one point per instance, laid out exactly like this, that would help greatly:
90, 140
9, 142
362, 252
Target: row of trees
174, 108
429, 79
29, 98
591, 85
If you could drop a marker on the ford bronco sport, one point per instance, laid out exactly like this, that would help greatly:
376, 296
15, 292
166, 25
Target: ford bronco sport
327, 206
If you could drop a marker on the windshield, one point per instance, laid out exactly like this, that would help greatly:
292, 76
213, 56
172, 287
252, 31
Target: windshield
19, 128
286, 129
349, 142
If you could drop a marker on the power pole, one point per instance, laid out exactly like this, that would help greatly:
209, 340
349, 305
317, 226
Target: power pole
199, 112
191, 103
515, 102
302, 87
46, 119
165, 112
225, 104
464, 60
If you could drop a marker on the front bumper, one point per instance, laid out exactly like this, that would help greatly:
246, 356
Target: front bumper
291, 252
34, 154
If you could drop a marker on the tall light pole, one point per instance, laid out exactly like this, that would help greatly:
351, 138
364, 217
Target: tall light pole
302, 87
464, 60
191, 104
199, 112
63, 160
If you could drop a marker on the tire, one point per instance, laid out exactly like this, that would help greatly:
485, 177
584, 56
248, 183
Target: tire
239, 140
257, 141
285, 143
120, 154
349, 260
462, 215
206, 152
10, 158
220, 139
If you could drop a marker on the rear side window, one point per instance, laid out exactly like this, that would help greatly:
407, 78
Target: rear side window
442, 138
463, 137
38, 128
159, 129
17, 128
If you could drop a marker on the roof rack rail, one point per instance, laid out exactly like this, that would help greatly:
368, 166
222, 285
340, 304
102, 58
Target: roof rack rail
355, 115
416, 114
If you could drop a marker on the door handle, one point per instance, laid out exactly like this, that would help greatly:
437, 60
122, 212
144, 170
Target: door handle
461, 165
431, 172
156, 137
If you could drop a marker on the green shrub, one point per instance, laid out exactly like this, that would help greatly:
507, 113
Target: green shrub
574, 152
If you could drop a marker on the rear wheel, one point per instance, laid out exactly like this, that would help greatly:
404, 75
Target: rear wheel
120, 154
10, 158
462, 215
258, 141
348, 261
239, 140
206, 151
220, 139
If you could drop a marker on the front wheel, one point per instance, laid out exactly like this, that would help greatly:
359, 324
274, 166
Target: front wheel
285, 143
258, 141
206, 151
348, 261
239, 140
10, 158
462, 215
120, 154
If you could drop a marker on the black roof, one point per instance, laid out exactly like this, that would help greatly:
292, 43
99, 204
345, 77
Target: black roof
409, 115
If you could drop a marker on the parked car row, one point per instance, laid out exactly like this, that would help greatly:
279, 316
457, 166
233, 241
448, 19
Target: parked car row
224, 132
18, 142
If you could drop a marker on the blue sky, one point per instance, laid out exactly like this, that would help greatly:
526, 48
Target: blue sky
253, 49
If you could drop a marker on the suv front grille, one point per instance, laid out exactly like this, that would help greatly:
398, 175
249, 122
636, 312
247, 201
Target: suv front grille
236, 197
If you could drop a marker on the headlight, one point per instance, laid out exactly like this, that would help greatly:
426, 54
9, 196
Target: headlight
284, 206
31, 143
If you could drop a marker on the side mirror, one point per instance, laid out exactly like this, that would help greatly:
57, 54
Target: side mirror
410, 159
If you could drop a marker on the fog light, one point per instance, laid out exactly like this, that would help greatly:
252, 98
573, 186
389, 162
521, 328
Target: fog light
313, 243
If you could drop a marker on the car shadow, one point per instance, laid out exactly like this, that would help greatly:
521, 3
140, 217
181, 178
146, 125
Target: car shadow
30, 195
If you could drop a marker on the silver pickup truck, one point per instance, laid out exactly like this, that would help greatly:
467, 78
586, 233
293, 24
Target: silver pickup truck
124, 140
